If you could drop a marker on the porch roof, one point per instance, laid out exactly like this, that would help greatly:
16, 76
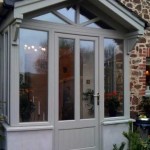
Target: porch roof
131, 24
114, 8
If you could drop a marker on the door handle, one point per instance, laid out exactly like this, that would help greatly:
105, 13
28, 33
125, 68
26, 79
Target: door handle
97, 96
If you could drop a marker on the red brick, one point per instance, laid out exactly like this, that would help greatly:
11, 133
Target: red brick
143, 80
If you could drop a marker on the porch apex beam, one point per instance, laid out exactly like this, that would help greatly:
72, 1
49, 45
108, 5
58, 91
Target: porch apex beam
90, 21
63, 17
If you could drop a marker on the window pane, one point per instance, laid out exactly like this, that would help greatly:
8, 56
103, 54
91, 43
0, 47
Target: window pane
33, 75
50, 18
83, 19
68, 13
86, 79
1, 73
93, 25
66, 79
85, 15
114, 85
6, 76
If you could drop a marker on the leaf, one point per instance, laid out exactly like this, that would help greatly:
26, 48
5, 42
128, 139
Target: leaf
120, 148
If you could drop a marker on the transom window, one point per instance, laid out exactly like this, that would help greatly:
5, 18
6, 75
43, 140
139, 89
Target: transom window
75, 15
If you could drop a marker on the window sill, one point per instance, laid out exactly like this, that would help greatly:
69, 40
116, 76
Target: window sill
27, 128
121, 121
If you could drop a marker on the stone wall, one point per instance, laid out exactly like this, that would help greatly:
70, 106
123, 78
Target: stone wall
138, 55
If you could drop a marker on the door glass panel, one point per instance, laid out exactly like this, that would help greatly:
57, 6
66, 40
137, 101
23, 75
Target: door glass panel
114, 77
49, 17
87, 79
33, 75
66, 79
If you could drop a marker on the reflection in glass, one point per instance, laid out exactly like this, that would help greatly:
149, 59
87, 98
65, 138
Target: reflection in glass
33, 75
86, 79
6, 76
71, 13
66, 79
50, 18
113, 63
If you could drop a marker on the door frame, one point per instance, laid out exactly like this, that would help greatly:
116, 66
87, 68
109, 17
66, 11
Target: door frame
77, 122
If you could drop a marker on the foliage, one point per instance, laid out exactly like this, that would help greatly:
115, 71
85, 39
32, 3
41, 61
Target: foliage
41, 64
135, 142
26, 106
112, 103
1, 128
121, 146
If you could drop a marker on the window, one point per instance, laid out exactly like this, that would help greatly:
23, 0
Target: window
114, 77
49, 17
74, 15
1, 73
33, 75
68, 13
6, 76
5, 80
66, 79
87, 79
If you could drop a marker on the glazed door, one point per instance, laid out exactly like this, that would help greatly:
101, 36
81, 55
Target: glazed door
76, 92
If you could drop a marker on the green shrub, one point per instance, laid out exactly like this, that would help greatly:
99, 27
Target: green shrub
135, 142
121, 146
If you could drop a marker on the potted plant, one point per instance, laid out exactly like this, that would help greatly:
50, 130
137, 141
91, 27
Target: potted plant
27, 107
112, 103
